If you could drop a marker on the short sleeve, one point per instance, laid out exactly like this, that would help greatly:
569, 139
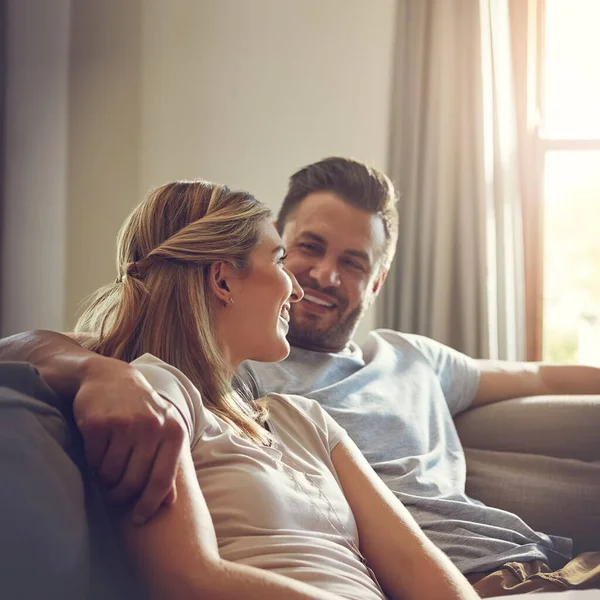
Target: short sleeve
176, 388
458, 373
335, 432
332, 431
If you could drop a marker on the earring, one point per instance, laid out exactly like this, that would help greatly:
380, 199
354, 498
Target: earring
226, 304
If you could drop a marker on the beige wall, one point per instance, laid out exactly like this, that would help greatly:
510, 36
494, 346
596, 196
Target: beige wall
246, 92
35, 155
104, 140
236, 91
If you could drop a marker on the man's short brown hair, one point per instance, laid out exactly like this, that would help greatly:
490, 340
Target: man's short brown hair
356, 183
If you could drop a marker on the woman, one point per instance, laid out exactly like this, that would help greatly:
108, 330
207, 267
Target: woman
275, 501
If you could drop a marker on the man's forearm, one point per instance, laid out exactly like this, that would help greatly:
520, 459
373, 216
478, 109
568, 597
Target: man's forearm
503, 380
570, 379
61, 361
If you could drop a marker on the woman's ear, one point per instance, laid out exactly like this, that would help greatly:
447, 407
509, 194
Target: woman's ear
219, 286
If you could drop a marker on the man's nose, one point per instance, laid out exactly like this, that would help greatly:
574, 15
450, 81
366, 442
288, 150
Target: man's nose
325, 273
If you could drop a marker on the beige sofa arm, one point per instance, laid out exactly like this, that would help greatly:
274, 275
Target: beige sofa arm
539, 458
561, 426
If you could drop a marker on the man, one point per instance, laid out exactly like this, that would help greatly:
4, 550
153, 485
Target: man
396, 395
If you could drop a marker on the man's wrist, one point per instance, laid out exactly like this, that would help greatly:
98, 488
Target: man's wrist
65, 365
95, 365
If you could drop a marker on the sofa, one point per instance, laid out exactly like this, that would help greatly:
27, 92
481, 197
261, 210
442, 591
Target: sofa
538, 457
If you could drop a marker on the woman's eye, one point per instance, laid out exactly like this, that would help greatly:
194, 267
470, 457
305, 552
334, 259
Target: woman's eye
282, 259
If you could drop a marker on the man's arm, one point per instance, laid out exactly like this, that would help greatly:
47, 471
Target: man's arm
132, 436
61, 361
503, 380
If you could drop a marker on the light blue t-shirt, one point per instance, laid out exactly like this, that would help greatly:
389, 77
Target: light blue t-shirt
396, 397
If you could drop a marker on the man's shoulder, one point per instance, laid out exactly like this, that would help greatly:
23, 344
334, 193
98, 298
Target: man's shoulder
413, 347
399, 339
256, 369
264, 378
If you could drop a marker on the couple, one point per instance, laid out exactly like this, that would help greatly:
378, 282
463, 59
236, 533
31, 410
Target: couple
281, 484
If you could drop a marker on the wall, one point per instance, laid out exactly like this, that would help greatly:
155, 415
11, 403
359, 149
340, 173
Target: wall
35, 165
246, 92
104, 140
230, 90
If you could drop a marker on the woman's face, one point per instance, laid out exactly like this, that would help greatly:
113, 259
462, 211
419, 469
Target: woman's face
255, 326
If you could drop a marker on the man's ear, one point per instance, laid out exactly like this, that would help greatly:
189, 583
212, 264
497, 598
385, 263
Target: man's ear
378, 283
219, 286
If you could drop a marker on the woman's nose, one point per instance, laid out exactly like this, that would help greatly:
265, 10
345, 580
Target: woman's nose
297, 291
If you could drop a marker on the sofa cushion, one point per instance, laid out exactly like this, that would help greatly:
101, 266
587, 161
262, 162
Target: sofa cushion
555, 495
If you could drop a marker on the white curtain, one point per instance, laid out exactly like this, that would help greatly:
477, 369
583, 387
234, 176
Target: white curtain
458, 275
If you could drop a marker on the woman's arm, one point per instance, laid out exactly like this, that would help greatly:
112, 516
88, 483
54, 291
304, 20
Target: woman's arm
406, 563
178, 557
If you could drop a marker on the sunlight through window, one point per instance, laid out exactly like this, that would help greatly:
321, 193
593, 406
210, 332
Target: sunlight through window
571, 130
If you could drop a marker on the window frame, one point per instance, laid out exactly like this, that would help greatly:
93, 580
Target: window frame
528, 44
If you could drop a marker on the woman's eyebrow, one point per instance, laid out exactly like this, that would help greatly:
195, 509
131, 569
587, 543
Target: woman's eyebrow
278, 249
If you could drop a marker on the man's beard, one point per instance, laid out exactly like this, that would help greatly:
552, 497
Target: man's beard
331, 339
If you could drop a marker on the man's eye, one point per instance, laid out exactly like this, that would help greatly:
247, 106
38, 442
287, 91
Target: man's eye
353, 265
308, 247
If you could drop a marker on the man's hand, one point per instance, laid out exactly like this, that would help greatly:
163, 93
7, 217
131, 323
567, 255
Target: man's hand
132, 436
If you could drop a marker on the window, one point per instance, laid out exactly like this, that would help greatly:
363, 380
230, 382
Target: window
571, 305
571, 81
567, 157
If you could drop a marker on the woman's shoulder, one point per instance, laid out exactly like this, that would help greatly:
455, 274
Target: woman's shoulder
289, 408
307, 407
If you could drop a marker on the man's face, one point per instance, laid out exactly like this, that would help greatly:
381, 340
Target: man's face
334, 250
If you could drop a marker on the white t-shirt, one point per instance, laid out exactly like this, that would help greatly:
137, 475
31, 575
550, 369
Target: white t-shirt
282, 508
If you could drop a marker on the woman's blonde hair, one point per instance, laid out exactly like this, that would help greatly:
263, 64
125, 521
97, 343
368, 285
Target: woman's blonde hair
161, 302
